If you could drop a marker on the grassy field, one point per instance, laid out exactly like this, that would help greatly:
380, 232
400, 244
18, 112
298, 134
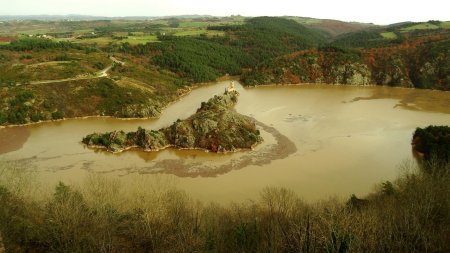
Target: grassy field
303, 20
98, 41
197, 24
161, 22
81, 31
198, 32
120, 34
445, 24
134, 40
25, 67
34, 31
141, 39
137, 32
203, 24
106, 40
422, 26
389, 35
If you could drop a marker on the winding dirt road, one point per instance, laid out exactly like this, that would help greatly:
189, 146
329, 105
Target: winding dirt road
100, 74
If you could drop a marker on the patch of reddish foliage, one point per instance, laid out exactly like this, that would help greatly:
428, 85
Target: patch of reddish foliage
7, 39
214, 147
293, 79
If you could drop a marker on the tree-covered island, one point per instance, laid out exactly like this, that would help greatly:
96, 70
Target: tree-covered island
215, 127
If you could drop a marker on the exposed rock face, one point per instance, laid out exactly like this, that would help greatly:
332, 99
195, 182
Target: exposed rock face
351, 73
410, 66
215, 127
311, 72
140, 111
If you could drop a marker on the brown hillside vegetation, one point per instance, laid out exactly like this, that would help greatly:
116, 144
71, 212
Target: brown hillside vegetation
335, 27
7, 39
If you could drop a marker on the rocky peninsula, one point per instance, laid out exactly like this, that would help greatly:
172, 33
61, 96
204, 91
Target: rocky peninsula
215, 127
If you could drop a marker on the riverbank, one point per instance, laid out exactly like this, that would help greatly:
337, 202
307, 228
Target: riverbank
189, 89
184, 92
343, 85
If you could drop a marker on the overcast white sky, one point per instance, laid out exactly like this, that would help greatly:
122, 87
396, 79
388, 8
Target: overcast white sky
374, 11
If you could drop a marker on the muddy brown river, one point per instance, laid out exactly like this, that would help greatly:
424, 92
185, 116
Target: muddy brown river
320, 141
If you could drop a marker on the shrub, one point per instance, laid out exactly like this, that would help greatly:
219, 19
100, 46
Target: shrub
57, 115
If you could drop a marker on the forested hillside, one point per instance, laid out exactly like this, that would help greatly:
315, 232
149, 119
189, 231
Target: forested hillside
264, 38
199, 60
202, 58
418, 65
268, 50
394, 56
163, 57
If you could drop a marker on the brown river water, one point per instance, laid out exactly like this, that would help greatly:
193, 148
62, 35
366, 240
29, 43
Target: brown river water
320, 141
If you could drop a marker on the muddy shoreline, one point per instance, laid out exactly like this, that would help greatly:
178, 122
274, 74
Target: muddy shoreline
283, 148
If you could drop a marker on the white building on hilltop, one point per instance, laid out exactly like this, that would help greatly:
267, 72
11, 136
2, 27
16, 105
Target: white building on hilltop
231, 87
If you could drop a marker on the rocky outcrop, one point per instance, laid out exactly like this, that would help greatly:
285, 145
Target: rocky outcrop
352, 74
216, 127
421, 65
308, 69
139, 111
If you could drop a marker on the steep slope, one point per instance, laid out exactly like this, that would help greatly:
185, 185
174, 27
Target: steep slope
43, 80
419, 64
